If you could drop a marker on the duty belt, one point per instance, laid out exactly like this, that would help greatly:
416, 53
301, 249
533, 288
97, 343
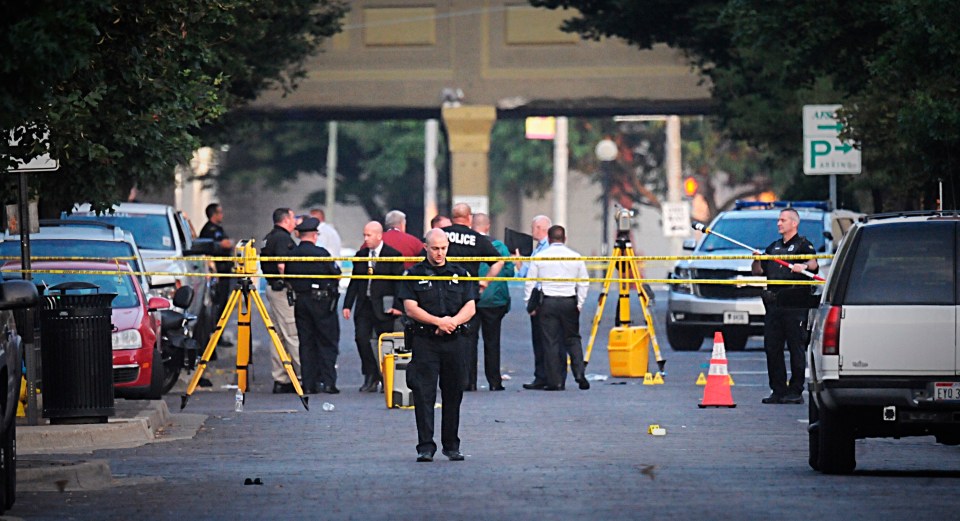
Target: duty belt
418, 329
319, 294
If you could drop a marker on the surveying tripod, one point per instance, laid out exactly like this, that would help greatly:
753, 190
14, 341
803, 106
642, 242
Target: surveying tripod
244, 263
626, 269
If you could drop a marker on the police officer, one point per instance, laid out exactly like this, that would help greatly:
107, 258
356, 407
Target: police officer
279, 243
315, 310
786, 309
466, 242
438, 310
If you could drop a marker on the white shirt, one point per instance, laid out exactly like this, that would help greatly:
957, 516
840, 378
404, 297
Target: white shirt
558, 269
328, 239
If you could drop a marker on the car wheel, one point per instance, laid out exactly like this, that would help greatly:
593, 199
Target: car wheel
813, 432
837, 444
735, 338
155, 392
684, 338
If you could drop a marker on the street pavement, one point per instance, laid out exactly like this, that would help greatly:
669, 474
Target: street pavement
530, 454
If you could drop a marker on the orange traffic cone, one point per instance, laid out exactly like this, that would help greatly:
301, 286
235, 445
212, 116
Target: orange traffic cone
717, 391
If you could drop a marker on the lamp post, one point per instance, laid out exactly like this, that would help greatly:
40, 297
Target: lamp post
606, 152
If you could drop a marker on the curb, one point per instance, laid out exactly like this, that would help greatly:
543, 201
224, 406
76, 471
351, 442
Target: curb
86, 438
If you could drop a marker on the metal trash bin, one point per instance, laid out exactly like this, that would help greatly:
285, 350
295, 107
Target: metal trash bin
76, 353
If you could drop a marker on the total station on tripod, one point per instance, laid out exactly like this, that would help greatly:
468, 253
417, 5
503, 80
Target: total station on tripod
245, 258
623, 217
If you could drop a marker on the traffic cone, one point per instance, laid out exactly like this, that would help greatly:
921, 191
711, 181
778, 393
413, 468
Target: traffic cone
717, 391
647, 379
701, 380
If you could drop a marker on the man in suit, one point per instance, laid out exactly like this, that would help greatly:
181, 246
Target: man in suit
372, 299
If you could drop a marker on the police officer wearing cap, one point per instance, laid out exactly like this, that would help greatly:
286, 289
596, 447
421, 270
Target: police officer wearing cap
786, 309
315, 311
438, 310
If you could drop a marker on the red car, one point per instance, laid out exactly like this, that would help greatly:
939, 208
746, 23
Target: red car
137, 362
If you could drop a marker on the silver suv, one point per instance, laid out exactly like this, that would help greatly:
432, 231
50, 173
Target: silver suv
695, 311
883, 357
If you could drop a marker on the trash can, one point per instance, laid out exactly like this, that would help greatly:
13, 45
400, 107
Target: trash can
76, 353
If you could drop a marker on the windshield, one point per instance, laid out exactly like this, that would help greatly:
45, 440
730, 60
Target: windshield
758, 233
121, 284
101, 250
150, 231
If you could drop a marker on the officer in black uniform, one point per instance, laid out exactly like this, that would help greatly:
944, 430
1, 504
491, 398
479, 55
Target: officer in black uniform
213, 229
466, 242
438, 310
315, 311
786, 309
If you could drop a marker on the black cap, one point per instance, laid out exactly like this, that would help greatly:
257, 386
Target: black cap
309, 224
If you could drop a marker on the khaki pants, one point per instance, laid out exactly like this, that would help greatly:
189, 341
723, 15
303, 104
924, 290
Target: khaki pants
281, 313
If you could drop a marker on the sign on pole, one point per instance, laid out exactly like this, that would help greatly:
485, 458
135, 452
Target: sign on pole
676, 219
823, 152
42, 163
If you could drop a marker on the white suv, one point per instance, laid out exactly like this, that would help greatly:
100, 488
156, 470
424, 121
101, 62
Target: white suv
695, 311
883, 357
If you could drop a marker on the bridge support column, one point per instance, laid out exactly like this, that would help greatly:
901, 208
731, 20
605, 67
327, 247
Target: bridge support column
468, 132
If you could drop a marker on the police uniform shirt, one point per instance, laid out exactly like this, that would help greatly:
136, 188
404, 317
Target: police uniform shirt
440, 298
465, 242
320, 267
215, 232
277, 243
788, 296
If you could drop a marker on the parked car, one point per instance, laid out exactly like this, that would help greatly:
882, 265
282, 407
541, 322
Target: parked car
137, 361
87, 239
166, 240
14, 294
695, 311
883, 357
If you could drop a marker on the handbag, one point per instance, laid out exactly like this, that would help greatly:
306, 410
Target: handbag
536, 298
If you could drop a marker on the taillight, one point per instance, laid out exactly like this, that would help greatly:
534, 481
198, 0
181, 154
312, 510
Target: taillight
831, 332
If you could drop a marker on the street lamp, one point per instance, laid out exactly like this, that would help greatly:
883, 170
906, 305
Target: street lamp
606, 152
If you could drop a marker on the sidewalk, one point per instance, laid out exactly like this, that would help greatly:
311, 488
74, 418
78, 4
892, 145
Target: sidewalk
136, 423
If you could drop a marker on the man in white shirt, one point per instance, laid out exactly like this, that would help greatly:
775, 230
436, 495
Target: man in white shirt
560, 311
327, 236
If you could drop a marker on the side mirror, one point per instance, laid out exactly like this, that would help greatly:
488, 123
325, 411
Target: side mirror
157, 303
18, 294
689, 244
202, 247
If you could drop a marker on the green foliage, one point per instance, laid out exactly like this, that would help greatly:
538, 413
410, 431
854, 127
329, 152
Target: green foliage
126, 90
891, 63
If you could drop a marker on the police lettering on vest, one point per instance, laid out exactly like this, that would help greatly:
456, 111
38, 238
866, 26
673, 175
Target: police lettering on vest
462, 239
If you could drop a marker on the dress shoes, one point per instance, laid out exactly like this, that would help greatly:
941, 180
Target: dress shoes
330, 389
773, 399
534, 385
424, 457
470, 387
795, 399
283, 388
498, 387
313, 389
552, 388
204, 382
453, 455
370, 384
583, 383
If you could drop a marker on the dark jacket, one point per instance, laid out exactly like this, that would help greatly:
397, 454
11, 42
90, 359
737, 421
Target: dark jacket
322, 266
379, 288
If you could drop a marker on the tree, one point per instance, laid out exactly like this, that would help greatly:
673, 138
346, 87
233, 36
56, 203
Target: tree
891, 63
128, 90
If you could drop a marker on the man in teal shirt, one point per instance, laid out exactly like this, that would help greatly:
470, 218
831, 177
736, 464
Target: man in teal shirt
493, 305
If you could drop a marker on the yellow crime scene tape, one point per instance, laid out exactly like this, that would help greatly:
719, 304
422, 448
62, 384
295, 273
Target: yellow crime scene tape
595, 259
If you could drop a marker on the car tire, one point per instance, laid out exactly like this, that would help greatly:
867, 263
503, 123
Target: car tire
837, 445
155, 391
684, 338
735, 338
813, 432
172, 364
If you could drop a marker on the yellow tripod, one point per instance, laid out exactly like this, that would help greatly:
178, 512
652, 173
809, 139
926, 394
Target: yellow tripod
626, 268
245, 263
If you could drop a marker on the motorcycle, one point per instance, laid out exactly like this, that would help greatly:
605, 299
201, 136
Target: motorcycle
178, 348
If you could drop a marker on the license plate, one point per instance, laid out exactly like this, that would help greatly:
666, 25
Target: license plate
736, 317
946, 391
